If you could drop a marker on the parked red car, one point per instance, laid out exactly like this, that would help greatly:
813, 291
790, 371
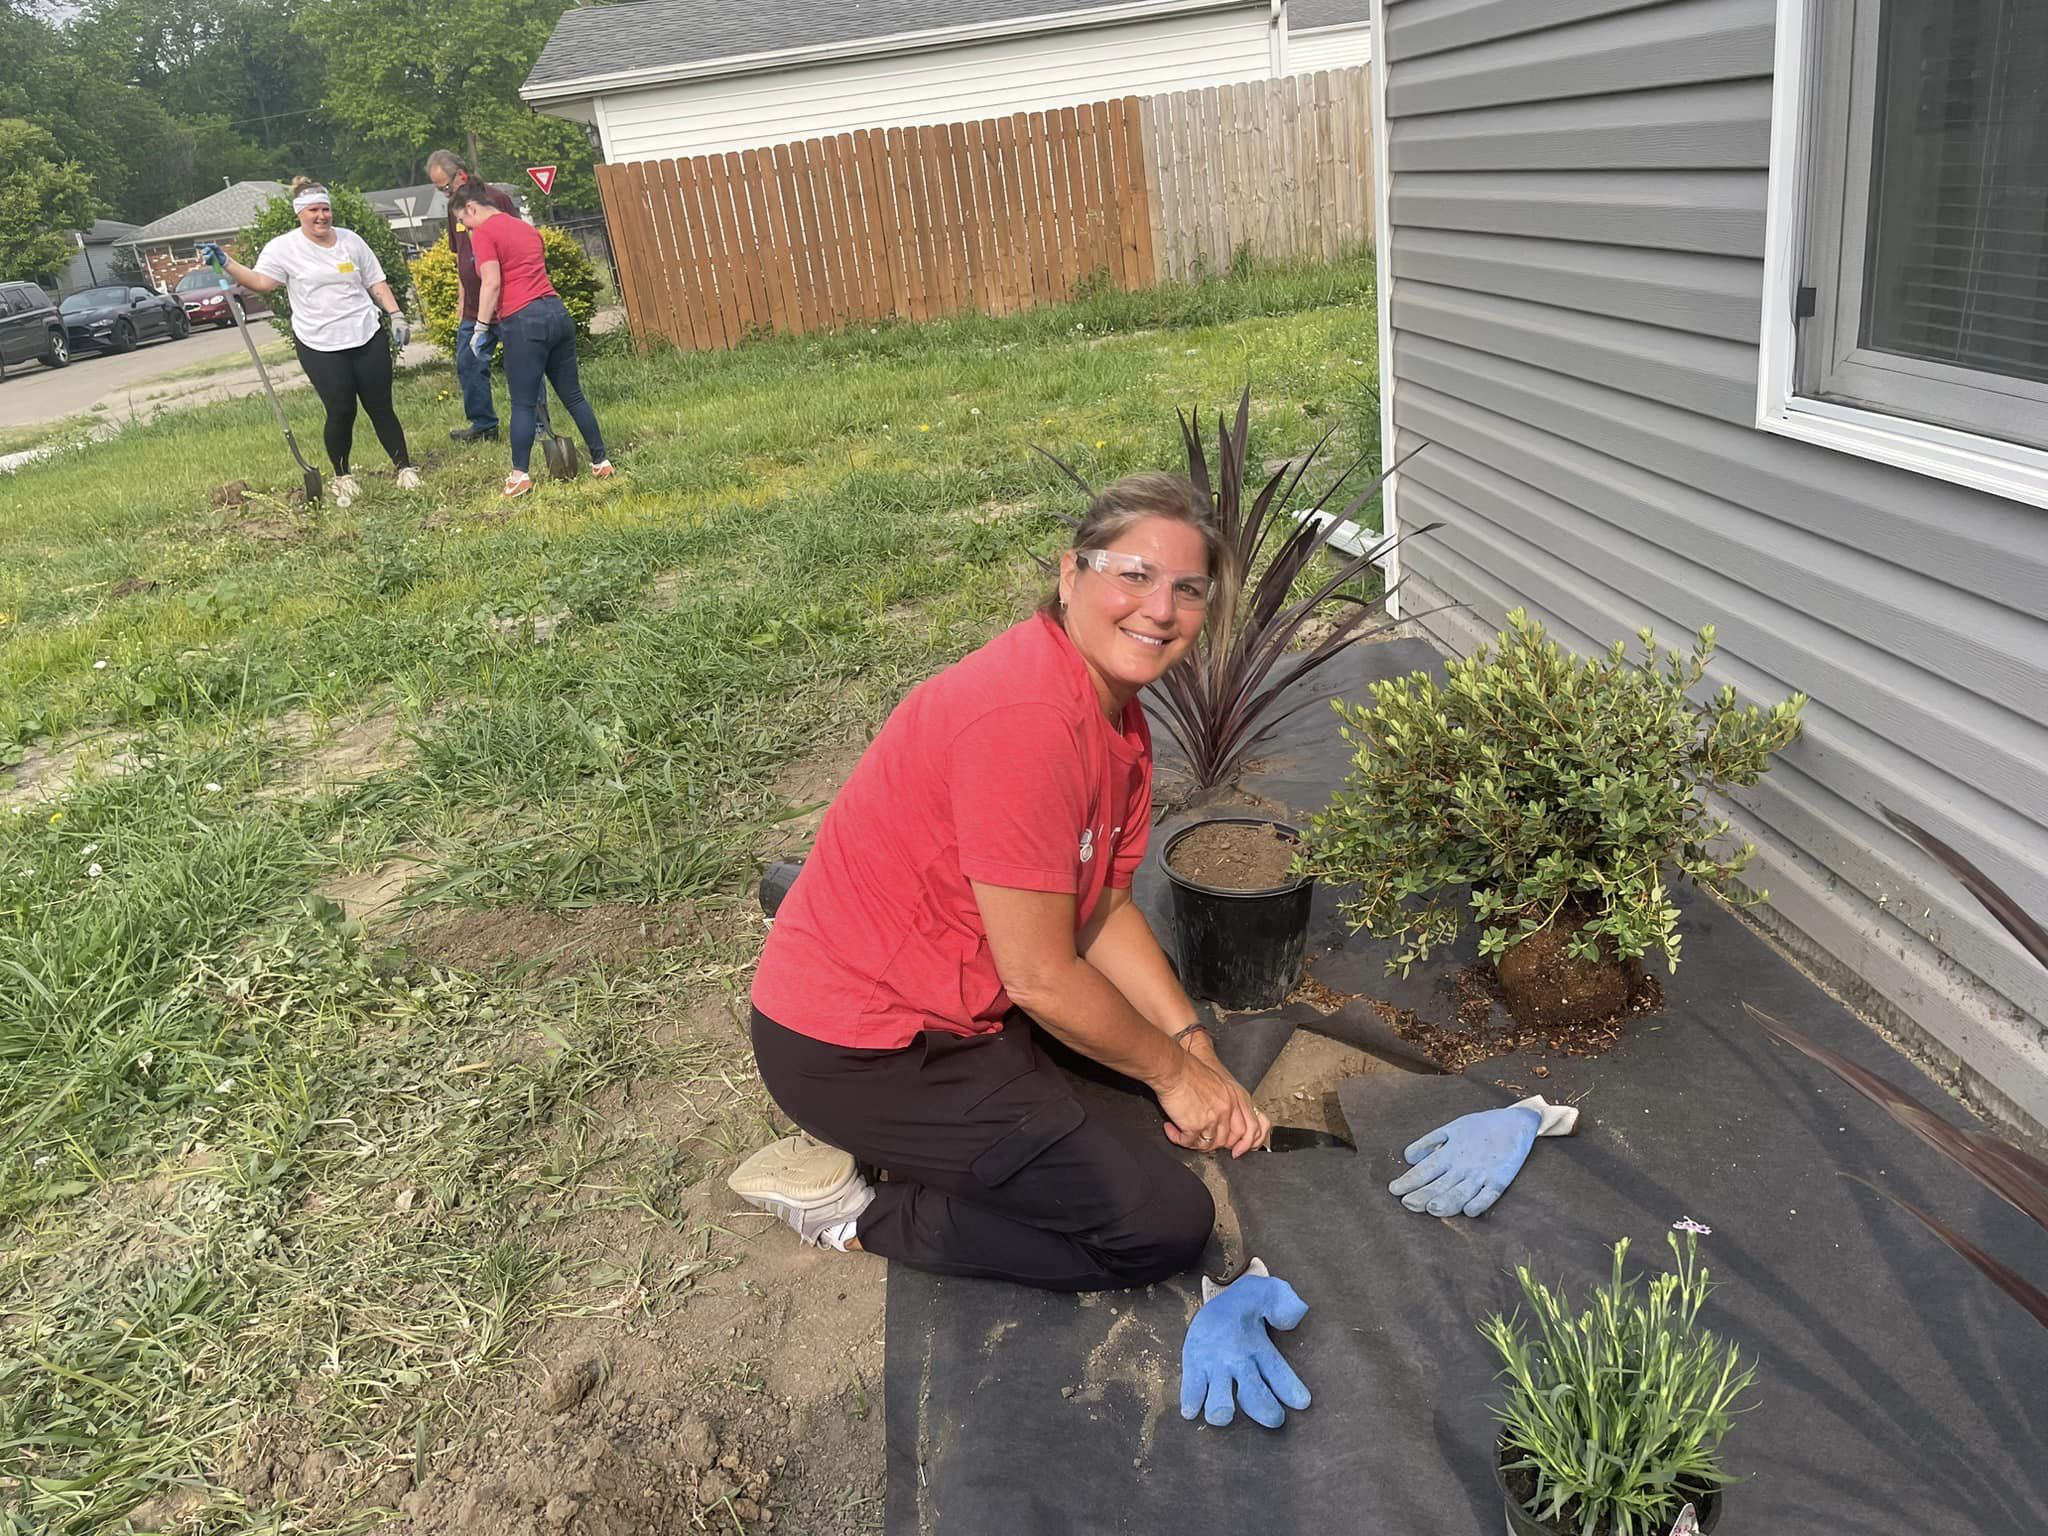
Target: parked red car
204, 293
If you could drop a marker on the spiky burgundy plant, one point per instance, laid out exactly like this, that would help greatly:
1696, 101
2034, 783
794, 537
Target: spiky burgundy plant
2016, 1177
1220, 701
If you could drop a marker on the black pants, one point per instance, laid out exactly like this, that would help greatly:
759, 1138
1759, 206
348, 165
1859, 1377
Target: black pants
995, 1167
340, 379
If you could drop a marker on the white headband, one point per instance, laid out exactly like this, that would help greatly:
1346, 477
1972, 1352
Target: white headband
312, 197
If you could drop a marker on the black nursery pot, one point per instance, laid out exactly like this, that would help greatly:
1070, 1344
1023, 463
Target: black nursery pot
1522, 1523
1239, 949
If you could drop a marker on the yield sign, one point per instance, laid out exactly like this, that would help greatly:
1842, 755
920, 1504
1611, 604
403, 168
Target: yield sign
544, 178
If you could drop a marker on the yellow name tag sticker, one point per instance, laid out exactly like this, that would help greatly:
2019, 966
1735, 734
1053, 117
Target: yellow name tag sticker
346, 266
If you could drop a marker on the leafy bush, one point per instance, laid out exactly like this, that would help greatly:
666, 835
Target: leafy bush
439, 285
1618, 1414
351, 211
1550, 785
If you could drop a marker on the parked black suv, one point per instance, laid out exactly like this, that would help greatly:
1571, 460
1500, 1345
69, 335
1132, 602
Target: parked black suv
30, 327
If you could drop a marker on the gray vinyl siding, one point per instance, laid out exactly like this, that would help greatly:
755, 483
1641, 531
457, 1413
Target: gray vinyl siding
1577, 208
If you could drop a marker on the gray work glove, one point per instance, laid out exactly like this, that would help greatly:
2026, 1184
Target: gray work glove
401, 332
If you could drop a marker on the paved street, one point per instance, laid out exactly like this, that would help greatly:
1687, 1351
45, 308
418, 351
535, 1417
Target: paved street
33, 393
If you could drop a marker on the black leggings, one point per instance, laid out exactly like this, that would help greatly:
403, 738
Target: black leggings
995, 1167
342, 378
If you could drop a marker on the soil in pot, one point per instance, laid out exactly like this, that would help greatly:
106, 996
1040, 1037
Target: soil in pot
1545, 986
1236, 856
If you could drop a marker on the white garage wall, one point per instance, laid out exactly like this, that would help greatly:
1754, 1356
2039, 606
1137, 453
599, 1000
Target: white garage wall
1309, 53
944, 86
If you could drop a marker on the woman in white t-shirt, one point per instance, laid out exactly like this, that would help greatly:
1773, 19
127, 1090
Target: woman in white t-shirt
337, 291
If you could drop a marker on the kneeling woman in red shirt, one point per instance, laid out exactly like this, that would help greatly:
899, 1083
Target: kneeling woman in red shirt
976, 869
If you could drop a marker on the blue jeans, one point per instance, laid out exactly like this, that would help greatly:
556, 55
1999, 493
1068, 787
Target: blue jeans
473, 373
540, 349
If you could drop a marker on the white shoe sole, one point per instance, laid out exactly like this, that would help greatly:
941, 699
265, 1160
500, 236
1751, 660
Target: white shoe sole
806, 1183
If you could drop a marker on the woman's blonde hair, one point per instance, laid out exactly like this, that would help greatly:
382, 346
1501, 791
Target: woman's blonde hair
1122, 504
300, 183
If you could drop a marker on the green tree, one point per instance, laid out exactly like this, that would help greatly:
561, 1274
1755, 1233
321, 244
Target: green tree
351, 211
43, 197
411, 76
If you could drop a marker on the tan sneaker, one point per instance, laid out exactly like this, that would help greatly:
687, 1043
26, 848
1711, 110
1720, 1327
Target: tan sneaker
408, 479
811, 1186
345, 488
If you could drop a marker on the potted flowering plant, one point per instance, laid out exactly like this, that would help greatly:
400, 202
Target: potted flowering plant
1614, 1417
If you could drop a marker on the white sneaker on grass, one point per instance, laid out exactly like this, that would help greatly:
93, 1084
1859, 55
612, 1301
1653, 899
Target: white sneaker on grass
813, 1187
345, 488
408, 479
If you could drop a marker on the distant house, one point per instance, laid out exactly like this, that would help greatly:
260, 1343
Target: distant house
94, 262
419, 215
169, 248
1736, 312
1327, 34
663, 78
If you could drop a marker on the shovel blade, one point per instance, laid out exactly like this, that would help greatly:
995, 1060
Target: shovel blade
560, 455
1296, 1138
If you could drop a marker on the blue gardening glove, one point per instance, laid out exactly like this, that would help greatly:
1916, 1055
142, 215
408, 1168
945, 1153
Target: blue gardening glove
1227, 1348
482, 339
1465, 1166
401, 332
214, 256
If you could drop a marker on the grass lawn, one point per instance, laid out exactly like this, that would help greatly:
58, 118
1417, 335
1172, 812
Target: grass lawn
403, 845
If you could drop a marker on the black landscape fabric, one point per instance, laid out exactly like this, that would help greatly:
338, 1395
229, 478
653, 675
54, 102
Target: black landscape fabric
1897, 1391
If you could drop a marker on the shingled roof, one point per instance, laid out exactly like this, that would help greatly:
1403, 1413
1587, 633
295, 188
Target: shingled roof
226, 211
677, 38
1307, 15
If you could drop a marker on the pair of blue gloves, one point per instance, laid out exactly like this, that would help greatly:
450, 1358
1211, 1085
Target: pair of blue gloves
1459, 1168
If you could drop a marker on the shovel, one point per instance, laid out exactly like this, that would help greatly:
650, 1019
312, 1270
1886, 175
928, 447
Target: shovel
312, 474
557, 451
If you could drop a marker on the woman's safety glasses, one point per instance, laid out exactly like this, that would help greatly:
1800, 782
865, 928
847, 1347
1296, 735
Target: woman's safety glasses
1135, 576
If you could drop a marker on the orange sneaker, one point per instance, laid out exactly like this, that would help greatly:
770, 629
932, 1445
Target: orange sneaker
518, 483
602, 469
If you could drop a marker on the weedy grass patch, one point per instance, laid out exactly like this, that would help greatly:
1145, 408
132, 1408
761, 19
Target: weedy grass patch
263, 1173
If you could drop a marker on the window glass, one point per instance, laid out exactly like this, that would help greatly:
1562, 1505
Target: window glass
1957, 254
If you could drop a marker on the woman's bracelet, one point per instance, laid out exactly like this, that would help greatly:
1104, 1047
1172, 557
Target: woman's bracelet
1198, 1027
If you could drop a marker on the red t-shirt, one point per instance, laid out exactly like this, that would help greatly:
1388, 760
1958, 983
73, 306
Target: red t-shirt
1001, 769
515, 246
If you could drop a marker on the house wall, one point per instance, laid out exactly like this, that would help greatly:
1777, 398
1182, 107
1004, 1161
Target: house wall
1576, 220
943, 86
1328, 48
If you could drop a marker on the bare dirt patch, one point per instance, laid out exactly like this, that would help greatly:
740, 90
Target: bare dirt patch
48, 773
806, 786
552, 944
322, 757
373, 894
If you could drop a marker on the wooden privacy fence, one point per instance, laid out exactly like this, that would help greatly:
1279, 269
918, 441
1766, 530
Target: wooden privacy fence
992, 216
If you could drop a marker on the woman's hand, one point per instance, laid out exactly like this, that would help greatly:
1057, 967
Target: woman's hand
1207, 1110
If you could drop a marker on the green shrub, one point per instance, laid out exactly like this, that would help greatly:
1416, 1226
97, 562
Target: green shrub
570, 269
436, 281
1548, 784
351, 211
1618, 1414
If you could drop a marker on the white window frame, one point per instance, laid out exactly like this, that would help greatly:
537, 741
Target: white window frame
2002, 468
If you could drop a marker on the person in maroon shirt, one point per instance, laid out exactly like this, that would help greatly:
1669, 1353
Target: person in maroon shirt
472, 372
516, 303
970, 888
